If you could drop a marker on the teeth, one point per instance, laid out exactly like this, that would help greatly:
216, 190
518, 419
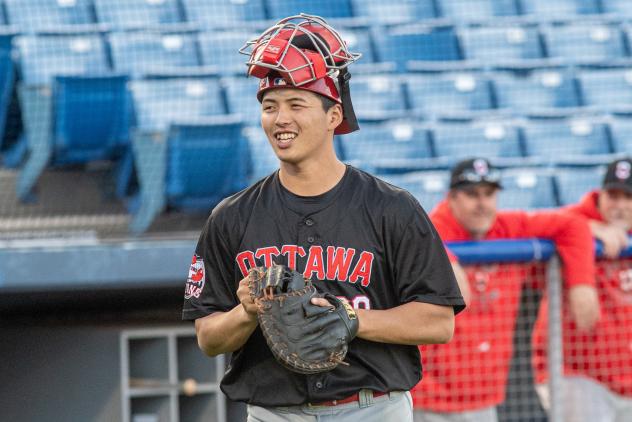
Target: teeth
285, 136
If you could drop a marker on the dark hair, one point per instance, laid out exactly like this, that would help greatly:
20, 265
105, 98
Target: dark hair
327, 102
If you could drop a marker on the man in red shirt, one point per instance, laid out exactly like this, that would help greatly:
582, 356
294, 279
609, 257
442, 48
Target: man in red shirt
466, 379
598, 365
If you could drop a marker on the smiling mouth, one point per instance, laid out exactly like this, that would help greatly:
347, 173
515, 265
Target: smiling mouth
285, 138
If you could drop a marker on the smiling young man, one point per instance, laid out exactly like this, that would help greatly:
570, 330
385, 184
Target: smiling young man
355, 236
598, 365
466, 379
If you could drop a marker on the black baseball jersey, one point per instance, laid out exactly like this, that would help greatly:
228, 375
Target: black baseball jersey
364, 240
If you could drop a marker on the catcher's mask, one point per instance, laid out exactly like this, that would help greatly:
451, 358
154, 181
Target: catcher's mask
304, 52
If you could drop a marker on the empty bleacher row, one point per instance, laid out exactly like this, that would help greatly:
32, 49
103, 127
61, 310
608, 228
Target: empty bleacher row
128, 14
158, 88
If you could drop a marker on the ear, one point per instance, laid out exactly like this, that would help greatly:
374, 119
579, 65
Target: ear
334, 117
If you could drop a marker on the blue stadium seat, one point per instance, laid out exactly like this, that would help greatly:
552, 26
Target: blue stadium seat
403, 43
44, 56
359, 41
34, 15
143, 52
221, 50
500, 44
377, 97
221, 13
241, 98
327, 9
266, 161
86, 118
618, 8
607, 89
621, 131
528, 91
395, 11
475, 10
161, 101
446, 93
526, 188
547, 9
487, 138
196, 164
7, 79
428, 187
388, 142
574, 182
553, 139
129, 14
585, 42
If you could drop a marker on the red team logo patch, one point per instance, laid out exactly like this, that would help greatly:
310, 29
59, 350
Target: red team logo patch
195, 281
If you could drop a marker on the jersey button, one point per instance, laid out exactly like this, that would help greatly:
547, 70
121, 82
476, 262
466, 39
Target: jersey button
310, 239
319, 384
309, 222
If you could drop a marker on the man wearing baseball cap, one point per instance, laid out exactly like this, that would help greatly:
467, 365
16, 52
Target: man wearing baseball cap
598, 366
466, 379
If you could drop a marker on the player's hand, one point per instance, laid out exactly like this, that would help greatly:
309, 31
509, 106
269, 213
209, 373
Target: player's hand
584, 306
614, 239
243, 293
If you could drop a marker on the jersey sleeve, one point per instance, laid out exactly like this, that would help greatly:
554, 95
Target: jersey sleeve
210, 284
573, 241
421, 265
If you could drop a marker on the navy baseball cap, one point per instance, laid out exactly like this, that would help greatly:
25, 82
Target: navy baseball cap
474, 171
619, 175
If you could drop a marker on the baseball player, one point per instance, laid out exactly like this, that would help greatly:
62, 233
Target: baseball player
466, 379
598, 364
355, 236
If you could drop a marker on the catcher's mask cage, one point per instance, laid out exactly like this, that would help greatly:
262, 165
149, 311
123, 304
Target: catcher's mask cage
304, 52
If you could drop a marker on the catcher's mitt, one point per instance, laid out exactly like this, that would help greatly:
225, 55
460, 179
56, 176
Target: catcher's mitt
303, 337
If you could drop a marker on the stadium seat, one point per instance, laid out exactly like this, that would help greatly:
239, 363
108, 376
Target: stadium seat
86, 118
402, 43
585, 42
143, 52
197, 163
574, 182
36, 15
446, 93
475, 10
42, 59
395, 11
487, 138
221, 50
66, 53
526, 188
210, 14
359, 41
607, 89
618, 8
130, 14
528, 91
161, 101
621, 132
554, 139
501, 44
327, 9
241, 98
428, 187
7, 79
266, 161
547, 9
377, 97
385, 142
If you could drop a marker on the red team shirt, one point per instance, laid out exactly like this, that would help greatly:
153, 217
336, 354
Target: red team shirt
604, 354
471, 371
